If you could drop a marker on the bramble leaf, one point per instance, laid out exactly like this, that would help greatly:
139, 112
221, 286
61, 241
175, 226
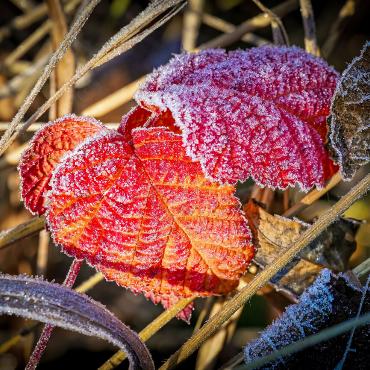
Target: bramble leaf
350, 116
259, 113
45, 151
144, 214
58, 305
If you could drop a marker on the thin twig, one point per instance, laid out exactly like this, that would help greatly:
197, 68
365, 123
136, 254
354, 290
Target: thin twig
265, 275
309, 27
48, 329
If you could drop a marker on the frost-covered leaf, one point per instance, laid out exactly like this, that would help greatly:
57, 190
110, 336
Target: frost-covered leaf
273, 234
144, 214
350, 116
259, 113
57, 305
45, 151
330, 300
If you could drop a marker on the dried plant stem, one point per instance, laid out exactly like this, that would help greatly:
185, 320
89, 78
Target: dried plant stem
312, 196
10, 134
346, 12
250, 25
309, 27
65, 68
42, 252
48, 329
149, 331
36, 126
192, 21
125, 39
265, 275
21, 231
226, 27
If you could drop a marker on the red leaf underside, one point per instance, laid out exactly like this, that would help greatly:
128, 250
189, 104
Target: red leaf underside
144, 215
48, 146
259, 113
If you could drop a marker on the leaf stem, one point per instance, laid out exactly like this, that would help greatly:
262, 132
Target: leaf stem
48, 329
265, 275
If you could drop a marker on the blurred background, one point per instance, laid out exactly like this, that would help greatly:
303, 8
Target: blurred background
21, 63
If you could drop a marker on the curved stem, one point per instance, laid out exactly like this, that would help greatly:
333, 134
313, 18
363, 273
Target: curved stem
48, 329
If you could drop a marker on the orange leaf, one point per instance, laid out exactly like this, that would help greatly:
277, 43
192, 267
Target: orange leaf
45, 151
145, 215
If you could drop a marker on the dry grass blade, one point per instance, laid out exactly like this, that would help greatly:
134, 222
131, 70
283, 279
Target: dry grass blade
119, 43
10, 134
211, 348
149, 331
312, 196
42, 252
264, 276
192, 22
250, 25
309, 27
65, 68
21, 231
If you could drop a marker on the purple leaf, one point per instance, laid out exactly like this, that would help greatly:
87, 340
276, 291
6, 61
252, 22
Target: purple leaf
57, 305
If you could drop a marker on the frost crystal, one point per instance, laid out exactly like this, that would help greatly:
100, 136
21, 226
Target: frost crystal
259, 113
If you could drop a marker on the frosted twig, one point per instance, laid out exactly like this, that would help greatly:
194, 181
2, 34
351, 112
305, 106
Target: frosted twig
48, 329
309, 27
250, 25
346, 12
210, 327
192, 22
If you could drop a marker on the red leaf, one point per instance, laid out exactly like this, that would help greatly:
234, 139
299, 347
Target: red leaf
145, 216
45, 151
259, 113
